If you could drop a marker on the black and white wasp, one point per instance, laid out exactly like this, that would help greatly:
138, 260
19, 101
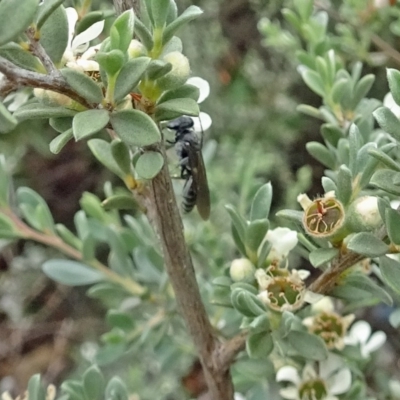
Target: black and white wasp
188, 148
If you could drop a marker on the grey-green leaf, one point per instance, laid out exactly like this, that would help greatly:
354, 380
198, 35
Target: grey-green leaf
308, 345
135, 128
57, 144
189, 14
390, 270
388, 122
71, 273
15, 18
129, 76
393, 77
384, 179
261, 203
259, 345
149, 164
367, 244
320, 257
45, 10
184, 91
93, 383
89, 122
83, 85
7, 121
392, 222
40, 111
54, 34
174, 108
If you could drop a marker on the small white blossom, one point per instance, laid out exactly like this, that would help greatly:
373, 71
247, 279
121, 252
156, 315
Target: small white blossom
360, 334
79, 44
203, 121
332, 379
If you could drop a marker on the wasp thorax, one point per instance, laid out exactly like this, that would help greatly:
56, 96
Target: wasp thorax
324, 217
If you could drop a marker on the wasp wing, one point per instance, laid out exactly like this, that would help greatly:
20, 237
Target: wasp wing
200, 185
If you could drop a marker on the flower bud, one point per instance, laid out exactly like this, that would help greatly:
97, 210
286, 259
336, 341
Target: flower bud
179, 73
51, 98
242, 270
136, 49
363, 214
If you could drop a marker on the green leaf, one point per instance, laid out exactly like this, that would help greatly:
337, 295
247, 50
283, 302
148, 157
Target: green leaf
120, 202
71, 273
159, 10
91, 204
15, 18
20, 57
42, 111
124, 25
135, 128
344, 184
261, 203
93, 383
384, 159
157, 69
120, 319
393, 77
89, 122
392, 222
321, 154
361, 89
364, 283
247, 303
388, 122
182, 92
102, 151
331, 134
309, 346
314, 82
144, 34
57, 144
7, 229
35, 210
238, 222
112, 61
35, 389
259, 345
122, 155
320, 257
171, 109
149, 164
68, 237
188, 15
328, 184
390, 270
83, 85
7, 121
61, 124
45, 10
4, 181
367, 244
116, 390
129, 76
255, 234
291, 215
91, 18
54, 34
384, 179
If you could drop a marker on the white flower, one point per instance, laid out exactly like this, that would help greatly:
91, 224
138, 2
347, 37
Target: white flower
203, 121
333, 379
388, 101
79, 44
283, 240
360, 334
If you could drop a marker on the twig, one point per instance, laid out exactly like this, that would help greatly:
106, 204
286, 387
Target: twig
37, 49
18, 77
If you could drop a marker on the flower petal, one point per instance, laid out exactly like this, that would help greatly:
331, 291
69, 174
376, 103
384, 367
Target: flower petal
376, 340
290, 393
330, 365
361, 331
202, 122
340, 382
72, 17
288, 373
203, 86
89, 34
282, 239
